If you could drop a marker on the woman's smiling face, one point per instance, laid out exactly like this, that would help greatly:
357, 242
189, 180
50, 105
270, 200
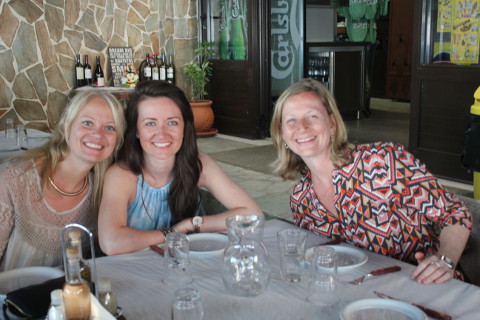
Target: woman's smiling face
306, 125
160, 127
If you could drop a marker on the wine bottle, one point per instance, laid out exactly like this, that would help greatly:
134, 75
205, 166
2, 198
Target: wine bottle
147, 69
163, 68
99, 77
170, 70
76, 292
87, 70
79, 75
155, 74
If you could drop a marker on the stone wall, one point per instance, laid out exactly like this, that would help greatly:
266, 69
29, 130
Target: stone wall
40, 38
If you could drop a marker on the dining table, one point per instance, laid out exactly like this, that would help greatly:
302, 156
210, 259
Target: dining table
137, 279
36, 138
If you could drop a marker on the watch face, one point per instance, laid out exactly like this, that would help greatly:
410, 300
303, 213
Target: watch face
197, 221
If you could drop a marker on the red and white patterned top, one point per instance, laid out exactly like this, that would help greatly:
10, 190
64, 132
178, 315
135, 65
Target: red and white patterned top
386, 202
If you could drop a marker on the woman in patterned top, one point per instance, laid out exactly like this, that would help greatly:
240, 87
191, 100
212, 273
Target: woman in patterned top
154, 187
376, 196
59, 183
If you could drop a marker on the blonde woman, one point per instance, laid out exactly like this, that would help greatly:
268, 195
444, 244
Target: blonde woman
59, 183
376, 196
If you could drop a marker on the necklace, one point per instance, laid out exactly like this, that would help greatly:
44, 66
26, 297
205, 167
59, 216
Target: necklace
68, 194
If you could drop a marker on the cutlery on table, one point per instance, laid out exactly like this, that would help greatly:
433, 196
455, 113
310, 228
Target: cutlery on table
375, 273
157, 249
429, 312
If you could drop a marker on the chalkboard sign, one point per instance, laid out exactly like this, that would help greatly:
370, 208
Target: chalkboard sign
120, 57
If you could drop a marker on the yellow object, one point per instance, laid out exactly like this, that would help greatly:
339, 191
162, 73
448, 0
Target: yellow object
475, 109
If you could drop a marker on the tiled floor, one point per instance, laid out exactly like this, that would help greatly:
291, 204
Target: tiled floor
246, 162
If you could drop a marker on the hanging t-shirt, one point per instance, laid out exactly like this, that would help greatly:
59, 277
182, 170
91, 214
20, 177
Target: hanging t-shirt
357, 30
383, 7
357, 8
371, 11
372, 32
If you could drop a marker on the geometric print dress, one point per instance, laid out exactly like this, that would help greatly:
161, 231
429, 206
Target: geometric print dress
386, 202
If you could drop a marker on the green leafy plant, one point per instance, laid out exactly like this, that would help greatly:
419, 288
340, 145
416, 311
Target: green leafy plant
198, 73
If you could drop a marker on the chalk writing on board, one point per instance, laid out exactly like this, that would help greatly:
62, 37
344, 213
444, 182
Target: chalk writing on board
120, 58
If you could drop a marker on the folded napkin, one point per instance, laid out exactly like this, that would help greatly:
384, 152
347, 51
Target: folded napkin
20, 303
98, 312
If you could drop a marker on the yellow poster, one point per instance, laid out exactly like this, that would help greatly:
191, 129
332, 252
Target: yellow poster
465, 32
444, 19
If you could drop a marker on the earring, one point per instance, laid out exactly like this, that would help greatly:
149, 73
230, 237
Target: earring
286, 146
332, 138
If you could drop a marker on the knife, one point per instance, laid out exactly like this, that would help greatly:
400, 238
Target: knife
429, 312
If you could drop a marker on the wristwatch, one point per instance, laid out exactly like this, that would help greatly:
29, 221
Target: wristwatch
197, 223
449, 262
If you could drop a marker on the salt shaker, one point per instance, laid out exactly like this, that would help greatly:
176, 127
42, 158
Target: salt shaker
105, 295
56, 311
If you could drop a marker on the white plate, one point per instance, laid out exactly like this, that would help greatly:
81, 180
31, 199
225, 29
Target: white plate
207, 243
347, 257
373, 309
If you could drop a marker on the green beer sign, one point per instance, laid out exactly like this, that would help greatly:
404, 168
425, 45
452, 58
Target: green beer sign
286, 43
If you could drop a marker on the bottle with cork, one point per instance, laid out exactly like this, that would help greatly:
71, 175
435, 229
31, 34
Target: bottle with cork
76, 291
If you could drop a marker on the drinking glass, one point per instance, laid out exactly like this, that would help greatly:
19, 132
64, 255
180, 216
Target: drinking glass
187, 305
176, 259
323, 279
22, 136
10, 134
291, 243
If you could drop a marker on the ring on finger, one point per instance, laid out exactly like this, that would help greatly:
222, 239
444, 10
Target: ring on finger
436, 263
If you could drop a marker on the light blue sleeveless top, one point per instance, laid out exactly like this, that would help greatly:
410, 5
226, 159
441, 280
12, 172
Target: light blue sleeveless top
150, 209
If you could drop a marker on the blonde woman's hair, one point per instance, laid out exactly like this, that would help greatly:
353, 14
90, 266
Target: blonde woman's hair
288, 164
55, 150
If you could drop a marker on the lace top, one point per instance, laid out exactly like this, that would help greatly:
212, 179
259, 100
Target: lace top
30, 229
150, 209
386, 202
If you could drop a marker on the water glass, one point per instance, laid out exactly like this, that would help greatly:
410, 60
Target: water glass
176, 259
292, 243
10, 134
22, 136
187, 305
323, 279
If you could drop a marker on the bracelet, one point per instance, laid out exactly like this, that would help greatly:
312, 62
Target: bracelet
167, 230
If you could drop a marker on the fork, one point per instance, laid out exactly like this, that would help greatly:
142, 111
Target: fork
378, 272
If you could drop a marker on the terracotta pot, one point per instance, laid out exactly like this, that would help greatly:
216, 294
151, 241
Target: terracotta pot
203, 117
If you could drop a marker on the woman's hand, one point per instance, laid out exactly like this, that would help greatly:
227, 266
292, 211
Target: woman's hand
431, 269
184, 226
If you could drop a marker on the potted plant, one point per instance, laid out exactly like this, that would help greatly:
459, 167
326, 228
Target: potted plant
198, 74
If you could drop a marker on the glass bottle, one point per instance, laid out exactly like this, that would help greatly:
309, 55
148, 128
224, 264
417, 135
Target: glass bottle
75, 241
238, 36
170, 70
163, 68
147, 69
76, 292
87, 70
99, 77
155, 74
79, 74
56, 311
105, 295
246, 270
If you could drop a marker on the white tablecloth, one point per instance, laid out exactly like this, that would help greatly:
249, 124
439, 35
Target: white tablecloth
36, 138
136, 279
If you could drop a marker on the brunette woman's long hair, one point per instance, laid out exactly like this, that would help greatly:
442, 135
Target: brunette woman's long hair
184, 193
